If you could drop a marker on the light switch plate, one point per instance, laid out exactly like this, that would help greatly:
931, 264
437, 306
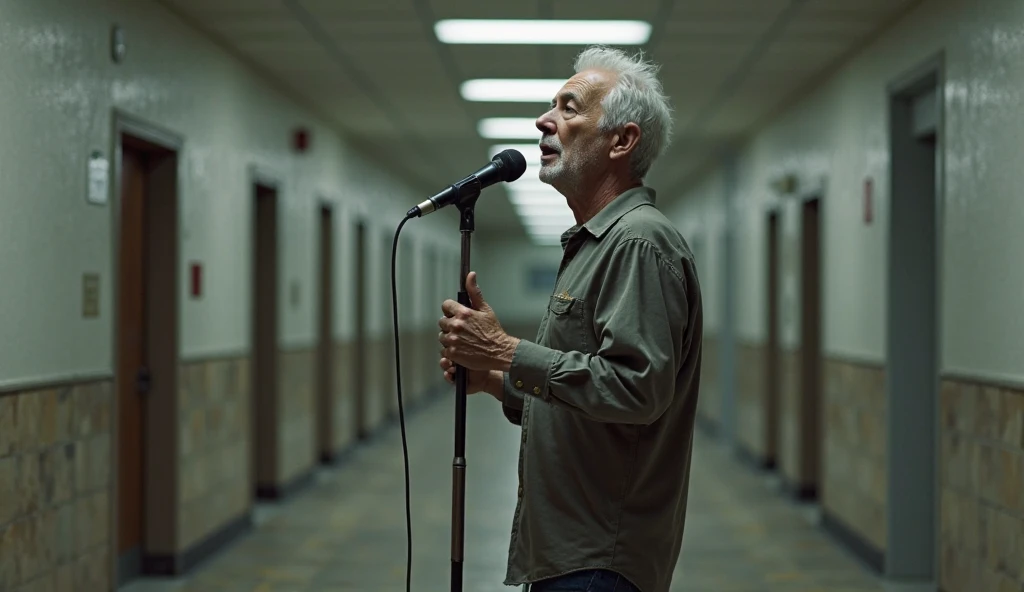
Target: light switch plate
90, 295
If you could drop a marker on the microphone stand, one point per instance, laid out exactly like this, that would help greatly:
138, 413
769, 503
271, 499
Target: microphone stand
467, 224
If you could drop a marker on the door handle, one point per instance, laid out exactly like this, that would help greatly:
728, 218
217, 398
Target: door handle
143, 381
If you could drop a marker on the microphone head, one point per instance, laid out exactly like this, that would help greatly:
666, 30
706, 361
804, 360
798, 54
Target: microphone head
513, 164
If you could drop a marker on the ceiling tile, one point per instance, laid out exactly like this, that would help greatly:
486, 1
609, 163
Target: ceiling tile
204, 10
376, 68
873, 11
726, 10
646, 10
361, 9
477, 9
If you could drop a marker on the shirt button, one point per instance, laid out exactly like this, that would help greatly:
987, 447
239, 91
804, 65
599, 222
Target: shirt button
519, 384
536, 390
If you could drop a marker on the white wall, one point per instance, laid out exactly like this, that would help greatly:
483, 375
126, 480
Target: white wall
701, 219
59, 91
840, 132
503, 268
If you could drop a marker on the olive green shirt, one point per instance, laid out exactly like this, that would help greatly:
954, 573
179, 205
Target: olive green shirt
606, 398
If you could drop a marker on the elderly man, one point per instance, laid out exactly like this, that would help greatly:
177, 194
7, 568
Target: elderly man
607, 393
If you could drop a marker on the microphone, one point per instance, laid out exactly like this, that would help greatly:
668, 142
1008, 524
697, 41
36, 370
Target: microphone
507, 165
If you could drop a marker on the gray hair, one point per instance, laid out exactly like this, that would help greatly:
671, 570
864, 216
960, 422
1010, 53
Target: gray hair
637, 97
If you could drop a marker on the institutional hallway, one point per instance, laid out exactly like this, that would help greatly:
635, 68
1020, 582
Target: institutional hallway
346, 532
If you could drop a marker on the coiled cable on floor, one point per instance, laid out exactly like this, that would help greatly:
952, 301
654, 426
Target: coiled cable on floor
401, 407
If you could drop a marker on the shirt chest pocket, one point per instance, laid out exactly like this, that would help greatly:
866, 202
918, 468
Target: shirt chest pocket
567, 327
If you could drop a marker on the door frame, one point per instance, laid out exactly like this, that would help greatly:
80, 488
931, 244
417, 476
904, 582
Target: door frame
388, 405
326, 394
360, 302
816, 439
816, 189
773, 214
160, 438
930, 73
260, 175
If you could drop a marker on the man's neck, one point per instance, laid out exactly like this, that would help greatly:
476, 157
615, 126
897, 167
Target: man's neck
591, 200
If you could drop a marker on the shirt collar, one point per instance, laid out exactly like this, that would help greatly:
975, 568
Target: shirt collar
611, 213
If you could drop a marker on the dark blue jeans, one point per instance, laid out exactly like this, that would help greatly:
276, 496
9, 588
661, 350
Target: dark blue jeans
591, 580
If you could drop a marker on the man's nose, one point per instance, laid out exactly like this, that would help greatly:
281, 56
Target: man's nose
545, 125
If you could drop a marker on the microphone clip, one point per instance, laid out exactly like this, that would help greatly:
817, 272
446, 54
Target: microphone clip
469, 192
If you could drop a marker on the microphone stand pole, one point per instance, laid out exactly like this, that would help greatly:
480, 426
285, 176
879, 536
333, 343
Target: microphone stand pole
467, 225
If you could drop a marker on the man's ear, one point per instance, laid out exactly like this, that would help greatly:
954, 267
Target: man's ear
625, 142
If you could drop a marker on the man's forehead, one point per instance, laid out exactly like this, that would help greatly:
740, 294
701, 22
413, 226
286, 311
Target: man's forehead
586, 83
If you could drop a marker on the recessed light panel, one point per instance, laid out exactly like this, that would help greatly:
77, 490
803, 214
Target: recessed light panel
526, 90
509, 128
542, 32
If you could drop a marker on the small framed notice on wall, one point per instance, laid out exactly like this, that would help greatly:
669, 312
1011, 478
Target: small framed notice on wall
541, 278
99, 169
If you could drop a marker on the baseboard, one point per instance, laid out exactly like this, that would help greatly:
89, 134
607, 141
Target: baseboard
391, 420
410, 408
707, 425
184, 561
855, 543
279, 492
755, 461
800, 493
129, 566
339, 456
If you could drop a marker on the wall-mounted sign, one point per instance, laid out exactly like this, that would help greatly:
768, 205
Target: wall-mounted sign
99, 169
197, 279
869, 196
90, 295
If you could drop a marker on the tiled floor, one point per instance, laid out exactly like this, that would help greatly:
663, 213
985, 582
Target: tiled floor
347, 532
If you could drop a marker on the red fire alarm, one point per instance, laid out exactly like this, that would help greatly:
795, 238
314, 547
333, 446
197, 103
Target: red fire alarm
869, 191
197, 280
300, 140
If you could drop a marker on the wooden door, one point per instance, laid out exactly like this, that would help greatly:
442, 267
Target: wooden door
361, 358
772, 419
325, 374
810, 350
131, 351
265, 337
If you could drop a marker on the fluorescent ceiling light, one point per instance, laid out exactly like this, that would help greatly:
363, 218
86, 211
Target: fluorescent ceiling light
509, 128
542, 32
511, 90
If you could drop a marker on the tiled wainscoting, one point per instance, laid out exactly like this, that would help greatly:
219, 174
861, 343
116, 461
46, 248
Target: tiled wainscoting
753, 420
709, 404
853, 492
55, 487
982, 486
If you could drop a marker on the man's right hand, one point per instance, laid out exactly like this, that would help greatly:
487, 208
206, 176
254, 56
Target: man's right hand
490, 382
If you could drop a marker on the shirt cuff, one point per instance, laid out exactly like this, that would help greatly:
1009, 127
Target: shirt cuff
511, 402
530, 371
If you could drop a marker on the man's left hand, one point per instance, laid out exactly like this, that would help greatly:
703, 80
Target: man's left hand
473, 337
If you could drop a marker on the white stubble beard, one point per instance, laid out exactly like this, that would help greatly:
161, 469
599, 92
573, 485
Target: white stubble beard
565, 174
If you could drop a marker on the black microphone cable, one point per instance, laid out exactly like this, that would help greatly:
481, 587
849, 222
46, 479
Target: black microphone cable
401, 408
